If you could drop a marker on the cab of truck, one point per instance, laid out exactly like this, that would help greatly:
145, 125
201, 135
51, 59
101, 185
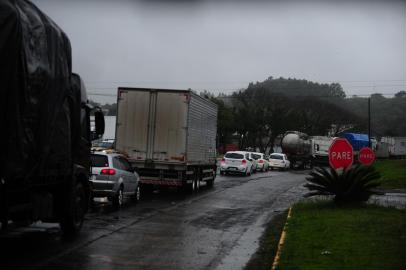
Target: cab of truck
45, 119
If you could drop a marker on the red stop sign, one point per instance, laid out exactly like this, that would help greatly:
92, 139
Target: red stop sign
340, 154
366, 156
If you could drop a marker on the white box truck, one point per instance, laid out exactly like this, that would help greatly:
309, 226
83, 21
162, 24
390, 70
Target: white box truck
168, 135
396, 146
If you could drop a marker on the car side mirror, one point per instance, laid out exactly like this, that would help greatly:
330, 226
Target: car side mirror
99, 124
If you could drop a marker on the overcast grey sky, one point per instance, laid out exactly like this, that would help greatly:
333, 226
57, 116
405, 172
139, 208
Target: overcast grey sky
221, 46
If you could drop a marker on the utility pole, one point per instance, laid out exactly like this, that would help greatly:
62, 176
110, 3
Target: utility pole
369, 122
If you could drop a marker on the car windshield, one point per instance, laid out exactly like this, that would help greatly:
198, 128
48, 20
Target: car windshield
99, 161
276, 157
256, 156
106, 144
234, 156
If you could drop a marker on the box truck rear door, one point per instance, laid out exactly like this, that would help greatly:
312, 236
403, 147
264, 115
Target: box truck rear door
170, 127
132, 123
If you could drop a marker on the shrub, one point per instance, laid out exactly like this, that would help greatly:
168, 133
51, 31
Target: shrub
353, 184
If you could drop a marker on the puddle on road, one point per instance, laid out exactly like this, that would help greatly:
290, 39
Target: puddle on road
222, 219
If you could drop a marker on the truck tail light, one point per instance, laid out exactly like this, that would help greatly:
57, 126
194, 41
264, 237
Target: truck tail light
243, 162
108, 171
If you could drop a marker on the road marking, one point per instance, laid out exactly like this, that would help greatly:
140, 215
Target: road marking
281, 242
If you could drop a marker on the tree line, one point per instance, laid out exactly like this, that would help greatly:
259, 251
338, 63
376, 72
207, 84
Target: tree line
256, 116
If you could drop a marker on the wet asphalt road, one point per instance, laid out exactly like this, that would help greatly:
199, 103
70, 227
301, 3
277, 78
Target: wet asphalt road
217, 228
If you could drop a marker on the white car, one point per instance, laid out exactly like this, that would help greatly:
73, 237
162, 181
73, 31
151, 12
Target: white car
237, 162
253, 160
262, 161
278, 160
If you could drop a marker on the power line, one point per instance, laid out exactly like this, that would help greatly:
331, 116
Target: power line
317, 96
276, 94
240, 82
100, 94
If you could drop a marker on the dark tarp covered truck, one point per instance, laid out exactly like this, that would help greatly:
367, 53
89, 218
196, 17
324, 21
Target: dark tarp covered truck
44, 122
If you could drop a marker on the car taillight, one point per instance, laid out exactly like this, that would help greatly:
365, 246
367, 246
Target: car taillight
260, 161
223, 161
108, 171
243, 162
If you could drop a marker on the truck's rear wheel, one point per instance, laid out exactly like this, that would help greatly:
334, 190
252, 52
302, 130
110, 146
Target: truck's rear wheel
118, 199
194, 185
137, 194
74, 210
3, 213
197, 185
3, 223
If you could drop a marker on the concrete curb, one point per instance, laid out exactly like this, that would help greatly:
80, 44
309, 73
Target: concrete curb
281, 242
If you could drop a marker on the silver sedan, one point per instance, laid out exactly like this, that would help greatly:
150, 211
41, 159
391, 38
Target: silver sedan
113, 177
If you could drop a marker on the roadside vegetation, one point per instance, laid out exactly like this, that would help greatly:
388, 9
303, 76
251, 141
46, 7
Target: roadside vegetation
321, 235
393, 173
344, 232
257, 115
354, 184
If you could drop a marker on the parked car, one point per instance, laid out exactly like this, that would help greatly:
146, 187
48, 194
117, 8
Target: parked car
253, 160
262, 161
104, 144
278, 160
107, 143
238, 162
113, 177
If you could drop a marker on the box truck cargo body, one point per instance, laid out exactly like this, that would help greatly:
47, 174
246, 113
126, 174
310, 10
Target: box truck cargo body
168, 135
396, 146
321, 146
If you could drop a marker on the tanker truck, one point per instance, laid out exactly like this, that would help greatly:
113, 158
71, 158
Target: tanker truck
45, 123
298, 147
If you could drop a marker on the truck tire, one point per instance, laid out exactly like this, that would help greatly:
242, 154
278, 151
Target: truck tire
3, 213
74, 209
193, 186
3, 225
118, 198
197, 185
137, 194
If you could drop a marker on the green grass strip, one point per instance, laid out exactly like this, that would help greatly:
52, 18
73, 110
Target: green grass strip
323, 236
393, 173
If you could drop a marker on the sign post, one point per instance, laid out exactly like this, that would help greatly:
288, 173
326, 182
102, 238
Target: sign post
366, 156
340, 154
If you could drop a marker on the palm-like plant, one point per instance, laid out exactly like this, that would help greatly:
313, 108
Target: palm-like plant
355, 183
